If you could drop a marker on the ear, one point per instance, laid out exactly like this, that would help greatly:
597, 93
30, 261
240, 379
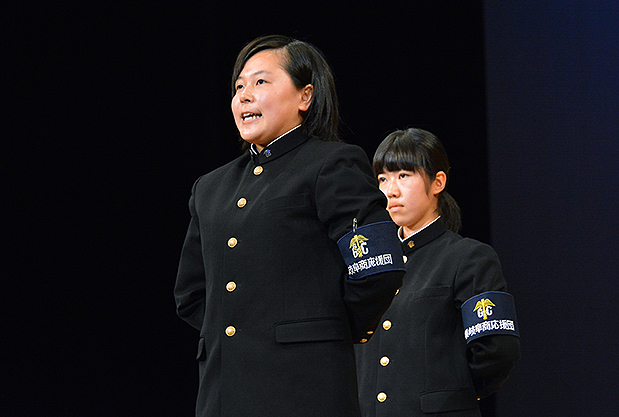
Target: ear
439, 183
307, 93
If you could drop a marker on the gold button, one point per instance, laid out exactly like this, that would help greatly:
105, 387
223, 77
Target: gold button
258, 170
404, 257
232, 242
370, 332
384, 361
386, 325
241, 203
411, 244
230, 331
397, 291
381, 397
231, 286
363, 341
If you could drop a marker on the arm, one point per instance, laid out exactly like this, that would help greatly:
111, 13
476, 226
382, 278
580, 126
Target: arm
491, 357
189, 290
346, 189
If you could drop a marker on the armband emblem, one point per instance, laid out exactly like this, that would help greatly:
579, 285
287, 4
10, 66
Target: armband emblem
358, 244
484, 308
371, 249
489, 313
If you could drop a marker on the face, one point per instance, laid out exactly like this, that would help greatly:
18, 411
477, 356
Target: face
412, 203
266, 103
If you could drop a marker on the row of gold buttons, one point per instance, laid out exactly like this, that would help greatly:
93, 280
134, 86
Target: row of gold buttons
230, 330
231, 286
232, 242
384, 361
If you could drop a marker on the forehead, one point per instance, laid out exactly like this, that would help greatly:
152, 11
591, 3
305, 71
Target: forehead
268, 61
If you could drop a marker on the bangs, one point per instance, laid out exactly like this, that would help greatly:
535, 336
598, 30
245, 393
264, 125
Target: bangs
397, 153
395, 160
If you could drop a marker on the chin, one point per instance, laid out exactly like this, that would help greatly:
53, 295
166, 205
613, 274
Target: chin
248, 138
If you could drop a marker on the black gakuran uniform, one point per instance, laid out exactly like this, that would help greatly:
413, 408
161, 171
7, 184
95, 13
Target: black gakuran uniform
418, 362
261, 277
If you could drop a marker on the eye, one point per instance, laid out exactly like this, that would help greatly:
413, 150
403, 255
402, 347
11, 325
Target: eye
403, 175
260, 81
382, 179
238, 87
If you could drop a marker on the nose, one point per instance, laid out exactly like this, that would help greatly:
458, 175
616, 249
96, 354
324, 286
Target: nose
392, 189
245, 95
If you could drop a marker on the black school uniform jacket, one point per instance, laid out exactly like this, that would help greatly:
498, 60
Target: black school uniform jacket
262, 279
418, 363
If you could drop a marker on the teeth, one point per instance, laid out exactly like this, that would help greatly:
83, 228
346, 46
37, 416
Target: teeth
247, 116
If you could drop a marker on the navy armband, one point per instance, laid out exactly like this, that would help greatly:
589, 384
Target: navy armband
372, 249
489, 313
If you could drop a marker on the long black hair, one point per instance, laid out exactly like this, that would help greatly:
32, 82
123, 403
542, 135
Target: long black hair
306, 65
419, 151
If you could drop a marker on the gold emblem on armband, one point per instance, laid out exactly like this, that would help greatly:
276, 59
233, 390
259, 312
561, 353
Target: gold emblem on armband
484, 308
358, 244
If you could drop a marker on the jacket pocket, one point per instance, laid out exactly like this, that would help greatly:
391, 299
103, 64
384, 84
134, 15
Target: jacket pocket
442, 401
201, 355
286, 201
310, 331
441, 291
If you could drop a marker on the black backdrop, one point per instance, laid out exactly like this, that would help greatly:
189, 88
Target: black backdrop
114, 109
553, 123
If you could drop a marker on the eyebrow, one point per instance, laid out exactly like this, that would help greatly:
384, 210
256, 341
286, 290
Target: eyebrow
253, 74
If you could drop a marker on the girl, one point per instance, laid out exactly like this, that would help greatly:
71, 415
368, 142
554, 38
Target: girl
278, 302
424, 359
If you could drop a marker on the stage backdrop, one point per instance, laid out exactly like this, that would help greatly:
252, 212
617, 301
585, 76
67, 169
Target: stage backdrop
553, 134
115, 108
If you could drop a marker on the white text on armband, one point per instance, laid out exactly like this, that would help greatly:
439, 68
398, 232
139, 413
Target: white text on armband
488, 326
370, 263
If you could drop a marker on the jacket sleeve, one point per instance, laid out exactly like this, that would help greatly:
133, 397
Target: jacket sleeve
491, 358
189, 290
346, 189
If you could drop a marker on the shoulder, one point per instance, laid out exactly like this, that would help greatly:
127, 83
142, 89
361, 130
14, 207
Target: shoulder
325, 148
461, 247
475, 266
336, 158
325, 159
227, 169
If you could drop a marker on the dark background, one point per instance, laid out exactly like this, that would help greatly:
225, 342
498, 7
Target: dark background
553, 144
112, 110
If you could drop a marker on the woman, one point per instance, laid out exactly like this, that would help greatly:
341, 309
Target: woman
266, 272
433, 354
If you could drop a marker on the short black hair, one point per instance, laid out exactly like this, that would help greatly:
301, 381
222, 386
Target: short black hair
305, 64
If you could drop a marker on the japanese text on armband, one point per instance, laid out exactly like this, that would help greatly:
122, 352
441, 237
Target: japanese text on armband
492, 312
371, 249
371, 262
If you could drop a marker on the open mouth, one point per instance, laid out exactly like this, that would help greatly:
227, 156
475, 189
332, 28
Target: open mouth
250, 116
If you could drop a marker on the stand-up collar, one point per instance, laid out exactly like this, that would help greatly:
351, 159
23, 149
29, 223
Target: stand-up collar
424, 236
278, 148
